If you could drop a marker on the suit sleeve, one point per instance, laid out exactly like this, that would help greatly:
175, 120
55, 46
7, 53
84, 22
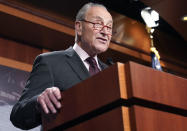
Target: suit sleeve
24, 114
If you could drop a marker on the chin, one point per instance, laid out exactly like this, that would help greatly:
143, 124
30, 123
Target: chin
101, 50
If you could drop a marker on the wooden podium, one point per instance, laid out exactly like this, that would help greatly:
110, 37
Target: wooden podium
124, 97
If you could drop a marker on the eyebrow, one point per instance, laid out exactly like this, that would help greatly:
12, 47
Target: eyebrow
98, 17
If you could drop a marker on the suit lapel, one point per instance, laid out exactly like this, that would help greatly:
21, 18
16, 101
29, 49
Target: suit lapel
76, 64
102, 65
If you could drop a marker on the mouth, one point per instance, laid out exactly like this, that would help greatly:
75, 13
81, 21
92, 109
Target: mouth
103, 40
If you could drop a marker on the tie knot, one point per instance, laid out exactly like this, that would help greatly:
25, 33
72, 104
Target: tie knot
93, 68
91, 61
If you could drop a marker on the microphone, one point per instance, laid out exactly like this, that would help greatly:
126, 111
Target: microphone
109, 61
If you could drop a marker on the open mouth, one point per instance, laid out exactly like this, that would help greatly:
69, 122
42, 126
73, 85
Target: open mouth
103, 40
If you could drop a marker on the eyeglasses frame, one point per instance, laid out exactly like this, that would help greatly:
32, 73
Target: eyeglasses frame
103, 26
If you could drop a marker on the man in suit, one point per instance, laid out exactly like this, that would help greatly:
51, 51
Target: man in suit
57, 71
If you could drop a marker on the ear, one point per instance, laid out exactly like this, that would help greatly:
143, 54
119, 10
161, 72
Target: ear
78, 27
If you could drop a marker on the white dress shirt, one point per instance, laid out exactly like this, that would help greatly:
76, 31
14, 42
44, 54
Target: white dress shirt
83, 55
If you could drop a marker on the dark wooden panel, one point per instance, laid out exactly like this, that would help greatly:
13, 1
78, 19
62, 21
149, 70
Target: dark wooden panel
18, 51
143, 119
154, 120
157, 86
109, 121
130, 33
34, 32
135, 118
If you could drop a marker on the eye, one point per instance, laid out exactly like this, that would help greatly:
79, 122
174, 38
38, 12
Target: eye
98, 25
109, 28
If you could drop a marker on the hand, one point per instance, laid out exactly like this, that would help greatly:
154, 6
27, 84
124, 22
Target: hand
49, 100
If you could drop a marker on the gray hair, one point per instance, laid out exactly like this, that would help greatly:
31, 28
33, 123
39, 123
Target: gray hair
81, 13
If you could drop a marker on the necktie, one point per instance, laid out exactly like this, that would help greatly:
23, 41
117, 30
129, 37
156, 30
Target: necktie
93, 68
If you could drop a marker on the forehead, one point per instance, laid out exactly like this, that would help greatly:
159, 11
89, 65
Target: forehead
98, 12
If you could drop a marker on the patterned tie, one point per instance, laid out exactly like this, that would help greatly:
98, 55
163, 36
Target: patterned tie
93, 68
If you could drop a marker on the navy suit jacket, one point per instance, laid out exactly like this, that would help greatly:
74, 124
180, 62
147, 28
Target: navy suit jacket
62, 69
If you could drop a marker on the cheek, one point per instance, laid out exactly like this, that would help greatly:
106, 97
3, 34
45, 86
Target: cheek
90, 36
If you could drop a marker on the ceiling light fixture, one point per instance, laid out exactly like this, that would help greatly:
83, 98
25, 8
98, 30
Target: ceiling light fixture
150, 17
184, 18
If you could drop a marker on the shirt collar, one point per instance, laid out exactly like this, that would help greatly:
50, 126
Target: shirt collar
82, 54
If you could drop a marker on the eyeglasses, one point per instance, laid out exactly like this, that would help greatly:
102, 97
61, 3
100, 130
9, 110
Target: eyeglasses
100, 26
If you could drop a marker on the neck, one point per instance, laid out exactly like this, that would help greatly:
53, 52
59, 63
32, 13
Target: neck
87, 50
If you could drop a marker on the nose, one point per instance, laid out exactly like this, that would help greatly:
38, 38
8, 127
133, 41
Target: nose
104, 30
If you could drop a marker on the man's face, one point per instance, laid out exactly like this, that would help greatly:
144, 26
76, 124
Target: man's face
96, 40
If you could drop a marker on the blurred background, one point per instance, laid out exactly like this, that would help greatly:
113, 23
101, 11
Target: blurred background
31, 27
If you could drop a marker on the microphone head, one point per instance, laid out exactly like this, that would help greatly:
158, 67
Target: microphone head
109, 61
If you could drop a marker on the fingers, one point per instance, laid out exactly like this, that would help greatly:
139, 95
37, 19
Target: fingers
43, 104
55, 96
49, 100
56, 92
